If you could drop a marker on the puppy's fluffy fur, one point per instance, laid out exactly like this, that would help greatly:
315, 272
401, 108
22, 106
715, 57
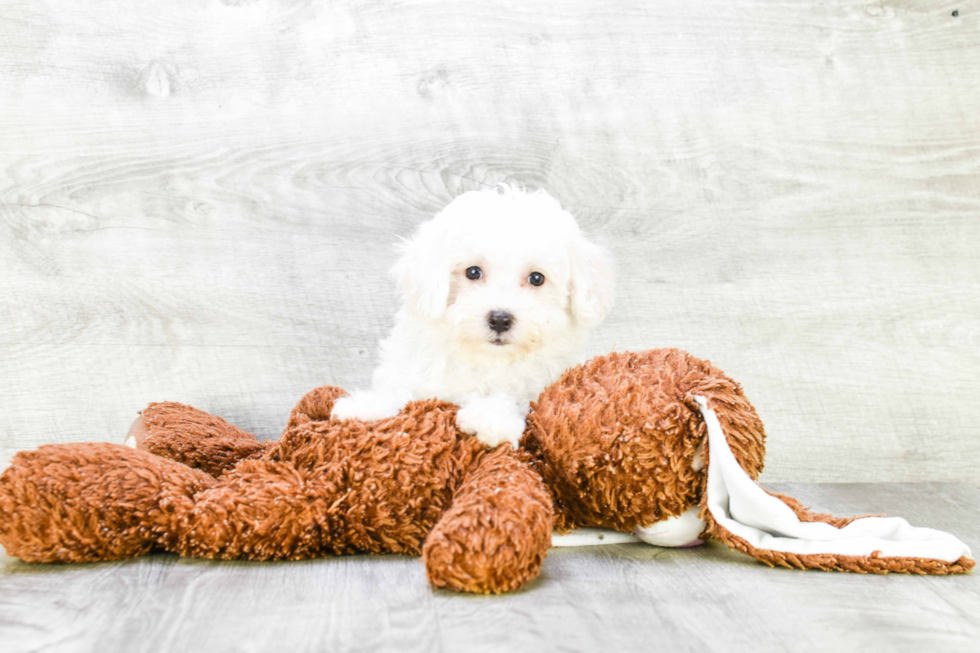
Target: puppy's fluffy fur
444, 343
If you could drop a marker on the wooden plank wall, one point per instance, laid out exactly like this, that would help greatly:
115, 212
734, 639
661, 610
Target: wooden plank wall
197, 200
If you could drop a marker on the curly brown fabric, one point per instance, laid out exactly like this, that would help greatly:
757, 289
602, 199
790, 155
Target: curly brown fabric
193, 437
98, 501
336, 487
207, 442
615, 438
611, 444
495, 535
315, 406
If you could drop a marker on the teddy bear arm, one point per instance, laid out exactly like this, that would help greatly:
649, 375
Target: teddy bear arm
315, 406
495, 535
192, 437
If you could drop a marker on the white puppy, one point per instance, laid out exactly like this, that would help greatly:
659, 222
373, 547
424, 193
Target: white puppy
500, 289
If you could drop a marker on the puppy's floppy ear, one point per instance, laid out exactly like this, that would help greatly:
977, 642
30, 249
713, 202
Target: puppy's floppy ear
592, 285
423, 272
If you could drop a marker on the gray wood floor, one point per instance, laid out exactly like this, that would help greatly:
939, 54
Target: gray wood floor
617, 598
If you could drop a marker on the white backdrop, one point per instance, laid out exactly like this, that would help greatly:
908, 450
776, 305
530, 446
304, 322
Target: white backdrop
197, 201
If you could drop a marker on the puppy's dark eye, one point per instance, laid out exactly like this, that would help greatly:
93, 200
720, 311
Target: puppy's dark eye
473, 273
535, 279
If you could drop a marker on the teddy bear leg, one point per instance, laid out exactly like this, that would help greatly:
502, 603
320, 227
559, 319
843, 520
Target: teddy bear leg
192, 437
495, 535
93, 501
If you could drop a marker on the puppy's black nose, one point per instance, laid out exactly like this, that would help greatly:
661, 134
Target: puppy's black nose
500, 321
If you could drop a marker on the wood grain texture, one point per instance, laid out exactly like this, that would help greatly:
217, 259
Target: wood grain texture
631, 597
197, 201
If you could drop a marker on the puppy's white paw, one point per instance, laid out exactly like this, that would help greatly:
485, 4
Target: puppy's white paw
492, 420
369, 406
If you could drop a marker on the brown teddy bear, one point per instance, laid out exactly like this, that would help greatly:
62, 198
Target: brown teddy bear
621, 442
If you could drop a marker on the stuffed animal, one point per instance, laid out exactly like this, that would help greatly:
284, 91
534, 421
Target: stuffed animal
658, 444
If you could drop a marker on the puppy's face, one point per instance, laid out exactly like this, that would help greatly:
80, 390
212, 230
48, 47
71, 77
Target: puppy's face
507, 303
507, 271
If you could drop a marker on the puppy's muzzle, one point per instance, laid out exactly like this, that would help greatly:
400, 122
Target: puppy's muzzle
500, 321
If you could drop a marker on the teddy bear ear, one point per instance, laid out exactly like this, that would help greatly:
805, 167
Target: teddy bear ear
592, 283
423, 272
